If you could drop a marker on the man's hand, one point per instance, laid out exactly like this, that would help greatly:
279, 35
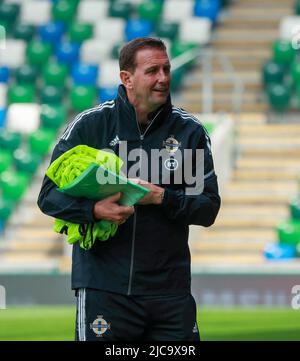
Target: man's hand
155, 196
110, 210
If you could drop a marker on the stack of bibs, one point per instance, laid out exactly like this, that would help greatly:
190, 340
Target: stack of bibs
95, 174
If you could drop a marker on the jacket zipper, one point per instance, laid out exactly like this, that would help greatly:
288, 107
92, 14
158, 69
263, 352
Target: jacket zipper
142, 135
132, 254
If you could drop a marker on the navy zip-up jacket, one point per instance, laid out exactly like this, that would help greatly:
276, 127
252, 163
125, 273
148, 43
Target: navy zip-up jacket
149, 254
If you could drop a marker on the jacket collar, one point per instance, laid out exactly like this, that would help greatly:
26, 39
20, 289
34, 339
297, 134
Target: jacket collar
127, 115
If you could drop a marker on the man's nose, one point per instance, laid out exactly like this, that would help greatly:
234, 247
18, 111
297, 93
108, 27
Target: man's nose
163, 76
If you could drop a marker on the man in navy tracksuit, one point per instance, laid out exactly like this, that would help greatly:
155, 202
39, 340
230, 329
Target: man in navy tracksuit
137, 285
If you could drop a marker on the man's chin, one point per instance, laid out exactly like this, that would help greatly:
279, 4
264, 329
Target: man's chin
160, 98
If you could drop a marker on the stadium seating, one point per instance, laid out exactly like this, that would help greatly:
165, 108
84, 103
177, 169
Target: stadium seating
40, 141
13, 185
51, 94
109, 30
120, 9
38, 53
295, 73
184, 10
92, 11
108, 74
21, 93
9, 141
24, 32
5, 160
51, 32
297, 7
83, 74
67, 53
79, 32
150, 10
2, 117
288, 235
279, 252
283, 68
3, 92
137, 27
4, 74
167, 29
23, 117
64, 11
35, 12
55, 74
26, 74
195, 29
6, 209
279, 96
94, 51
107, 93
281, 80
288, 27
82, 97
207, 9
273, 73
14, 53
9, 14
52, 116
26, 161
295, 209
283, 52
61, 57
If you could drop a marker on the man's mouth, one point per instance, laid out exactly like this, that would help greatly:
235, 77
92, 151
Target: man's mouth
163, 90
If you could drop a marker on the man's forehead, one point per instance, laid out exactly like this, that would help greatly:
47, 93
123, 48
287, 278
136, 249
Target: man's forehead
151, 56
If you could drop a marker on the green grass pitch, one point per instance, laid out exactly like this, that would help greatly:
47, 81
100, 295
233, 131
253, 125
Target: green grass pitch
51, 323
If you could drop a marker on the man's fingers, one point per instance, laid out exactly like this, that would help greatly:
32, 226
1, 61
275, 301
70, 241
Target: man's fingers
120, 220
126, 211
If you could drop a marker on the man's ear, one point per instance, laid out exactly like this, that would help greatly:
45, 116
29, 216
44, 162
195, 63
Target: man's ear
126, 79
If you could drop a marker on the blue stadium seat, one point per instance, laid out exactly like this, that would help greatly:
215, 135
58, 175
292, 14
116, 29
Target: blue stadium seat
107, 93
84, 74
2, 224
3, 112
137, 28
279, 251
51, 32
67, 53
208, 9
4, 74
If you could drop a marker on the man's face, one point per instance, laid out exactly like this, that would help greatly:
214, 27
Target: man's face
151, 78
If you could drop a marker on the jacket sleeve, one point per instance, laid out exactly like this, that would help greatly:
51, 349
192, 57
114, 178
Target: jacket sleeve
56, 204
200, 208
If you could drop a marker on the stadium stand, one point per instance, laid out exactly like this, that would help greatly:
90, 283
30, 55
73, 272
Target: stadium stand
264, 178
48, 71
59, 59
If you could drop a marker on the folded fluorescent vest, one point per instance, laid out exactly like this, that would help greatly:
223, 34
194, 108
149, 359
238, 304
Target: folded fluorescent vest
95, 174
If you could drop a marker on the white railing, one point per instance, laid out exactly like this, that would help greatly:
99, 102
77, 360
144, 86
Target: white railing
205, 57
